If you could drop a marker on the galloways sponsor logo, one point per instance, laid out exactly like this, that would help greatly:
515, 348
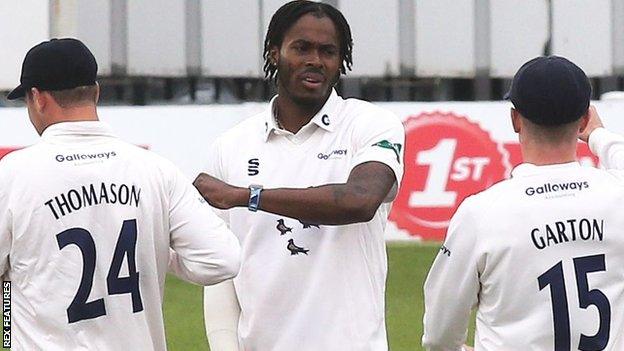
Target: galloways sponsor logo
83, 157
555, 187
333, 154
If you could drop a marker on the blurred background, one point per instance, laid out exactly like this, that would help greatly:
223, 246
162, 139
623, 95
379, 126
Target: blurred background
442, 66
209, 51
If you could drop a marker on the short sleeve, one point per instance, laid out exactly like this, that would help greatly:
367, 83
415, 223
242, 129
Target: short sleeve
380, 138
214, 167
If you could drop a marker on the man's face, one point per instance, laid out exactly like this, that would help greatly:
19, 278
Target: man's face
308, 62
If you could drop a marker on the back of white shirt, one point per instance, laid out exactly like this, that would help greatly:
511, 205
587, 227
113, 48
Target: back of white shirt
86, 229
540, 256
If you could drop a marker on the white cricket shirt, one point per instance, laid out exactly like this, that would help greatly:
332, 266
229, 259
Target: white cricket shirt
302, 286
86, 225
541, 257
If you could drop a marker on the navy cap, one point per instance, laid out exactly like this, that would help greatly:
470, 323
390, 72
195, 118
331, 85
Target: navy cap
57, 64
550, 91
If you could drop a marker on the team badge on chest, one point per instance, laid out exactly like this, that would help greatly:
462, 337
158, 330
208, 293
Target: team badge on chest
283, 229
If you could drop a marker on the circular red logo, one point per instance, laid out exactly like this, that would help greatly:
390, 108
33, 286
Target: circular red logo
447, 158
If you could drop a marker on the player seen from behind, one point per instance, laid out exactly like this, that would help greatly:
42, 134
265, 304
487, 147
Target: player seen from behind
87, 221
539, 255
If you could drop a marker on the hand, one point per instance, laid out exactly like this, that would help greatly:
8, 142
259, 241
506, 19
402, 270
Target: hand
220, 194
593, 123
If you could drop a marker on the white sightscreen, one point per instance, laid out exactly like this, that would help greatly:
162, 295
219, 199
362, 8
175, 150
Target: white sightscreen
518, 32
376, 40
93, 28
582, 33
231, 38
23, 24
268, 9
156, 38
375, 28
445, 38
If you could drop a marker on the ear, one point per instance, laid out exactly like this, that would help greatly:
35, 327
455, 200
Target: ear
516, 120
274, 55
584, 121
39, 99
97, 94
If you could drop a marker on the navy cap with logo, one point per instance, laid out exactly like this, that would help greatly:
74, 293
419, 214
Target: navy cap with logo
57, 64
550, 91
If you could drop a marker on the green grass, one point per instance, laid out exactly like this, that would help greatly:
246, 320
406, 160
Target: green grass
184, 316
408, 267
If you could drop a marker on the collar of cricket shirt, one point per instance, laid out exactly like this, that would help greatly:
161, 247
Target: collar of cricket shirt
325, 118
529, 169
78, 128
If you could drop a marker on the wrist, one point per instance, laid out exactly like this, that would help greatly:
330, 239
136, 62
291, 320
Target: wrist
240, 197
596, 140
591, 131
254, 197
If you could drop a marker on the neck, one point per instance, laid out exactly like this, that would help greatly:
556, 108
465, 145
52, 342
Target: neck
541, 155
293, 115
73, 114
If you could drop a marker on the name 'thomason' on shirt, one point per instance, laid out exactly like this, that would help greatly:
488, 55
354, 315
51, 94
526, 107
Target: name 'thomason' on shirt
92, 195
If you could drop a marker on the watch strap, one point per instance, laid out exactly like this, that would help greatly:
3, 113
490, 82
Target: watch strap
254, 197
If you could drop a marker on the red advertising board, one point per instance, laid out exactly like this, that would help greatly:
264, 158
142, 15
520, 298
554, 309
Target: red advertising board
447, 158
6, 150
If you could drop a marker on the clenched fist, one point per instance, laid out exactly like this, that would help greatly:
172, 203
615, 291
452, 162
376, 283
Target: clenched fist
220, 194
593, 123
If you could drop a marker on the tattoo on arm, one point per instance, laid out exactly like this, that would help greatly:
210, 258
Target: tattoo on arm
371, 178
339, 194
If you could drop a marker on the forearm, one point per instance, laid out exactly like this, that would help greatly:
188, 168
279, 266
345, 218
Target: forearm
355, 201
332, 204
441, 334
221, 314
202, 270
447, 310
609, 147
452, 285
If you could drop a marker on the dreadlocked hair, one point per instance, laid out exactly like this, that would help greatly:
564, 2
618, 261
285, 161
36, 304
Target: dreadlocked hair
288, 14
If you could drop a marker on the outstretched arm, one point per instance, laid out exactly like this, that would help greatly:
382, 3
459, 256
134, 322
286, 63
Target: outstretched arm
357, 200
